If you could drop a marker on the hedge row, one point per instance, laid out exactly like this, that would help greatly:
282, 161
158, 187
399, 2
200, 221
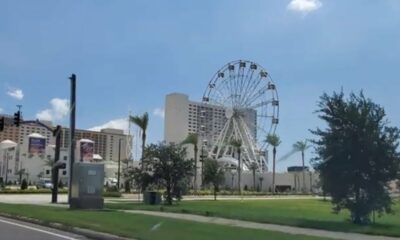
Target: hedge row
30, 191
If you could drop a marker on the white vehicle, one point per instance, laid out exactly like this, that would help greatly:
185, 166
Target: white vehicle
111, 182
44, 183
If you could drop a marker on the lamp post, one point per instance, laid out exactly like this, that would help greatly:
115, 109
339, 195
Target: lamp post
202, 159
119, 163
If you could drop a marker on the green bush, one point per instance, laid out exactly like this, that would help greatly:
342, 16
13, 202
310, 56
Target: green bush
112, 194
29, 191
24, 185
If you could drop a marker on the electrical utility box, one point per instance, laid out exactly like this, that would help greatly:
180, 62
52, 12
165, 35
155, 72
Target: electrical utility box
87, 186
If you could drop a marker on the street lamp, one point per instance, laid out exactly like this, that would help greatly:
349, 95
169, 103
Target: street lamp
202, 159
119, 163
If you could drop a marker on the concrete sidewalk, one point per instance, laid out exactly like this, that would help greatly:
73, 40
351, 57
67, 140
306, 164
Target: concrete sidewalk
264, 226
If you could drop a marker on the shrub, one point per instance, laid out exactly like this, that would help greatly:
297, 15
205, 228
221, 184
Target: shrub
60, 184
112, 194
24, 185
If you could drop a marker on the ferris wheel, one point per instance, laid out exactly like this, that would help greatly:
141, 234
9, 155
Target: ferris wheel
240, 103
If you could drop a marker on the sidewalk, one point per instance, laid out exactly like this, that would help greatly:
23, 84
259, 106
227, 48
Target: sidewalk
264, 226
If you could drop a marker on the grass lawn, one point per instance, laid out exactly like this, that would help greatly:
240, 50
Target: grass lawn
295, 212
141, 226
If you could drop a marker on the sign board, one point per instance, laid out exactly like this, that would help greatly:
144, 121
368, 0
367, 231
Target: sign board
87, 150
37, 145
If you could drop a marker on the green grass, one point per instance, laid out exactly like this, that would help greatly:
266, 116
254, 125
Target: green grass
139, 226
302, 213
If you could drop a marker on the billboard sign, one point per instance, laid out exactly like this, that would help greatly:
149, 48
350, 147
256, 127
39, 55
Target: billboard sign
87, 150
37, 146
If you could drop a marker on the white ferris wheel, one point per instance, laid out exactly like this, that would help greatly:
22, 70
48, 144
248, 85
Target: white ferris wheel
240, 102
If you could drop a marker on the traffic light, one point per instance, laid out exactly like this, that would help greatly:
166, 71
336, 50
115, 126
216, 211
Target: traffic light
60, 165
1, 124
17, 118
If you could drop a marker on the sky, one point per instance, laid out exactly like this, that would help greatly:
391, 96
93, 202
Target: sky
128, 55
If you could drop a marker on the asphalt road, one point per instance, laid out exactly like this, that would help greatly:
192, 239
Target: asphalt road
17, 230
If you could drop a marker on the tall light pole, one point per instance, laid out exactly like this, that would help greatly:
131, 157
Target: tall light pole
119, 163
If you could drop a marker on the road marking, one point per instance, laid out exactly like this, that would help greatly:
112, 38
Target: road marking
38, 230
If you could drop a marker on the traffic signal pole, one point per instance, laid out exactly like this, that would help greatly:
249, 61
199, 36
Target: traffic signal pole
72, 142
56, 167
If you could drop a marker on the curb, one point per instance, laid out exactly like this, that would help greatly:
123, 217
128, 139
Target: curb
79, 231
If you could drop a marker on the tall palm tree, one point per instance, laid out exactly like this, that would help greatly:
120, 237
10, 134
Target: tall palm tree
302, 146
142, 122
193, 139
237, 144
253, 167
274, 141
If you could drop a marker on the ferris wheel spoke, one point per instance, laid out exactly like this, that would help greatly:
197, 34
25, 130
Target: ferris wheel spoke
242, 67
251, 88
256, 95
243, 85
232, 77
247, 85
260, 104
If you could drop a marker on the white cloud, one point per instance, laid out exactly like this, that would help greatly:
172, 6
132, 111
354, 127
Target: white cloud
16, 93
304, 6
159, 112
120, 123
58, 110
1, 110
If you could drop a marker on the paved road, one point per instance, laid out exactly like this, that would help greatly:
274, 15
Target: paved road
17, 230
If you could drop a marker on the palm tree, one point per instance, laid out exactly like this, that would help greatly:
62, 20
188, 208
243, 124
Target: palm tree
237, 144
193, 139
274, 141
253, 167
142, 122
302, 146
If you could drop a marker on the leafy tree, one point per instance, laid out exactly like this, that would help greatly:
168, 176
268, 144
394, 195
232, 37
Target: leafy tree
237, 144
24, 184
169, 168
142, 122
261, 179
193, 139
140, 177
357, 155
302, 146
253, 168
213, 174
274, 141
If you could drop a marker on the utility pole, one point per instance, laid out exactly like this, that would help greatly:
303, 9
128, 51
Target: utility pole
72, 142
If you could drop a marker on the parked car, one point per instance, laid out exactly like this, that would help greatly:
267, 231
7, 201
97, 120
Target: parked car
44, 183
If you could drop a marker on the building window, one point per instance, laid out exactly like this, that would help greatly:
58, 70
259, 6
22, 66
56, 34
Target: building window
65, 158
64, 173
47, 172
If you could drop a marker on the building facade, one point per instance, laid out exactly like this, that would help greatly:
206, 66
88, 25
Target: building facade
18, 162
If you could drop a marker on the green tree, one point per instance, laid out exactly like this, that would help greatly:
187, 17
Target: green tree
253, 168
237, 144
274, 141
24, 184
193, 139
169, 168
142, 122
302, 146
214, 174
357, 155
141, 178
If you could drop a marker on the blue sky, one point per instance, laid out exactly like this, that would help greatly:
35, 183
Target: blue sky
130, 54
